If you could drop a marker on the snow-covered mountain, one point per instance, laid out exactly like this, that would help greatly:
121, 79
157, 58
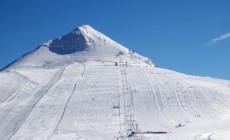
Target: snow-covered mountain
86, 86
82, 44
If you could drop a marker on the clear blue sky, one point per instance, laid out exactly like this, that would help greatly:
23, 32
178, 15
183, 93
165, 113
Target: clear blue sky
189, 36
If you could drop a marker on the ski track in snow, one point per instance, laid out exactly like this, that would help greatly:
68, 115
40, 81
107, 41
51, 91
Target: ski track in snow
63, 113
18, 120
28, 85
222, 134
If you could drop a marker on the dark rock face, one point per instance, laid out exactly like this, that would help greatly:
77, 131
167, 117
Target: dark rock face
69, 43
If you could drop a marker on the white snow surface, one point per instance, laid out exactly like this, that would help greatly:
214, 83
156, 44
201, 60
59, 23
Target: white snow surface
85, 86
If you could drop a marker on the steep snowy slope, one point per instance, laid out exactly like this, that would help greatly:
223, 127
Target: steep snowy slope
86, 86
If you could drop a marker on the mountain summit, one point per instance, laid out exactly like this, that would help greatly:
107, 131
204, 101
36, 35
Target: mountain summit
85, 86
85, 38
82, 44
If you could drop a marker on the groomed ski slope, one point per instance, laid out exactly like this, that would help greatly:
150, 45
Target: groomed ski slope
108, 97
